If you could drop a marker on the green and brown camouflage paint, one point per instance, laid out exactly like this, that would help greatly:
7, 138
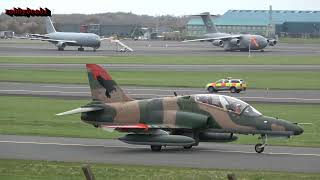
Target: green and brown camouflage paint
181, 112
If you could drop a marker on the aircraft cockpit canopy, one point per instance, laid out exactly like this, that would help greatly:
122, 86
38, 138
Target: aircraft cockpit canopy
227, 103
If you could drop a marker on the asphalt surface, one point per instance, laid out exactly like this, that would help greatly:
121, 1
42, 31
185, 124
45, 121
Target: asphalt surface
36, 48
206, 155
76, 91
167, 67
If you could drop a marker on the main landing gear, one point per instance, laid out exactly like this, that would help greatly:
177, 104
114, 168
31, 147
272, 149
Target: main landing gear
81, 49
155, 148
260, 147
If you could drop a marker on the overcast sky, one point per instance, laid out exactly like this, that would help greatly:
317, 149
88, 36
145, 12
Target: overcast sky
158, 7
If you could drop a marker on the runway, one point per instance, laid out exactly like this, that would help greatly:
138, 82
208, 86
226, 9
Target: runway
76, 91
168, 67
16, 47
206, 155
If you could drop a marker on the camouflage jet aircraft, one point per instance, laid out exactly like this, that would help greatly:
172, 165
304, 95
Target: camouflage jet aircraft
177, 120
231, 42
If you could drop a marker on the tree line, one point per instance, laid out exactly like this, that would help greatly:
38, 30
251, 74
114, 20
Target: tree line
22, 25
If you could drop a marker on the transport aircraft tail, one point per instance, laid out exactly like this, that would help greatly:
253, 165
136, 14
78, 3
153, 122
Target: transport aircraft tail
206, 18
49, 26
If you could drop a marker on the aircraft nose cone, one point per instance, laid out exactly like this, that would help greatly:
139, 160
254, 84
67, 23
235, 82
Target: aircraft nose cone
298, 130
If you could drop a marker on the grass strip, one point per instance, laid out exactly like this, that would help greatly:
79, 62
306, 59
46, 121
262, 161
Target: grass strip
50, 170
234, 59
255, 80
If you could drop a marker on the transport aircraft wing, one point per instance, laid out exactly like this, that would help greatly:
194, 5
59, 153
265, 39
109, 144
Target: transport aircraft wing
210, 39
56, 41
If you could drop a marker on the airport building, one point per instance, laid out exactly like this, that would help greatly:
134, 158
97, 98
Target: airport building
283, 23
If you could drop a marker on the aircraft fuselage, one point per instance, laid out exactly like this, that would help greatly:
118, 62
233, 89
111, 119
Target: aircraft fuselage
82, 39
243, 43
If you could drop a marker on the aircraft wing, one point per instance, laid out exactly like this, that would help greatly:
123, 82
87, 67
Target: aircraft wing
214, 38
33, 37
20, 37
56, 41
126, 128
38, 36
80, 110
136, 128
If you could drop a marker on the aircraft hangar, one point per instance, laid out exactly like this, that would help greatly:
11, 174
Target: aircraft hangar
284, 23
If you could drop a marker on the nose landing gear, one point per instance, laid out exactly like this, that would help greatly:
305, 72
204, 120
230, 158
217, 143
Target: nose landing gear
259, 148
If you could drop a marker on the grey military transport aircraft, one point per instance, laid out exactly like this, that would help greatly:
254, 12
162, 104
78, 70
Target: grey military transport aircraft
177, 120
63, 39
231, 42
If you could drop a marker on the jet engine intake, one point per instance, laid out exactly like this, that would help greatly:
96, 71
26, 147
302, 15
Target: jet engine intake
61, 45
272, 42
191, 120
235, 41
218, 43
217, 137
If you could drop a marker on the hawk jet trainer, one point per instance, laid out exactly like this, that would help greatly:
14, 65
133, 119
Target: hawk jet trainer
231, 42
178, 120
63, 39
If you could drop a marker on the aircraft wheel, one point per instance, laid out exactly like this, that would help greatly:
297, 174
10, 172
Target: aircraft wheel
60, 49
258, 148
80, 49
155, 148
187, 147
233, 89
211, 89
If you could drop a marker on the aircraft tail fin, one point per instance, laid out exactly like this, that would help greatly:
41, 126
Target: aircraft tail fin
103, 88
49, 26
206, 18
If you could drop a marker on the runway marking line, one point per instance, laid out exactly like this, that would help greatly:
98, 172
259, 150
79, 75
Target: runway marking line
244, 97
303, 99
88, 145
31, 91
269, 153
66, 87
61, 92
127, 89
